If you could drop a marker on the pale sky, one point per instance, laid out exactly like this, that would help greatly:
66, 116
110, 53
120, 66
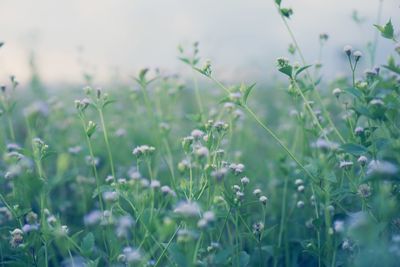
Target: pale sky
241, 37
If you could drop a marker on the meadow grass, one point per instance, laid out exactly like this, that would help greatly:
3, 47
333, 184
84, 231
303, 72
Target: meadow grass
195, 171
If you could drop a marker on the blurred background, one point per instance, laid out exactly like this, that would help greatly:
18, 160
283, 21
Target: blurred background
112, 39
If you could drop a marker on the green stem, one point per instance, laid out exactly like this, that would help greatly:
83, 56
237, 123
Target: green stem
325, 112
105, 133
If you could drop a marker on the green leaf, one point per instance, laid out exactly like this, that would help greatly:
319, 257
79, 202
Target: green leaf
354, 149
288, 70
278, 2
244, 259
302, 69
387, 31
353, 91
286, 12
87, 244
247, 90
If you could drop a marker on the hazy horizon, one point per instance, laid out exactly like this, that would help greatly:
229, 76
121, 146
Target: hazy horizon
119, 37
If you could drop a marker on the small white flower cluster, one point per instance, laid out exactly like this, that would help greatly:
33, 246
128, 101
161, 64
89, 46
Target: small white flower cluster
17, 237
143, 150
208, 217
300, 185
237, 168
130, 255
345, 164
187, 209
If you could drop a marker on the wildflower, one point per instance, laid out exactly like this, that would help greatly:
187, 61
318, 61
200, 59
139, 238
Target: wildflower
338, 226
51, 220
282, 62
358, 130
30, 227
257, 192
213, 246
75, 150
381, 167
185, 235
221, 126
124, 223
143, 150
376, 102
298, 182
208, 217
131, 255
202, 151
258, 228
236, 168
364, 190
110, 196
229, 106
239, 196
300, 188
187, 142
120, 132
197, 134
325, 145
166, 190
336, 92
309, 223
263, 200
245, 181
92, 161
13, 147
64, 229
187, 209
235, 97
300, 204
92, 218
155, 184
236, 188
16, 237
31, 217
348, 49
219, 174
357, 55
362, 160
345, 164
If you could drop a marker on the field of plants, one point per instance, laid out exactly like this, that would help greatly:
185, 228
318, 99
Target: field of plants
197, 171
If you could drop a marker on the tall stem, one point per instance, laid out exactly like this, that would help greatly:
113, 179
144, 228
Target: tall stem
110, 158
325, 112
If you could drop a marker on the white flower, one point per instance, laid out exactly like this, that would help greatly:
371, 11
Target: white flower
362, 160
197, 133
298, 182
209, 216
155, 184
338, 226
187, 209
110, 196
263, 200
300, 188
202, 151
345, 164
245, 181
357, 55
337, 91
347, 49
381, 167
300, 204
257, 192
359, 130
